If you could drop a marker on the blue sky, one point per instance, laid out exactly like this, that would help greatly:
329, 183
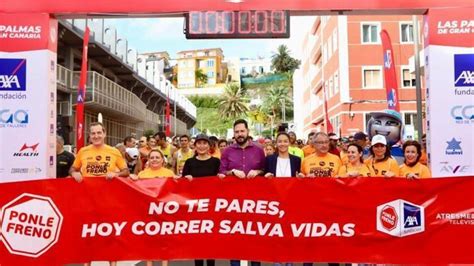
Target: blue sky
166, 34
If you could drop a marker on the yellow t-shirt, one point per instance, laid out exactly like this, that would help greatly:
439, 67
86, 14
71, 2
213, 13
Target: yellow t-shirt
296, 151
166, 151
344, 158
181, 158
321, 166
418, 169
149, 173
380, 168
363, 170
93, 161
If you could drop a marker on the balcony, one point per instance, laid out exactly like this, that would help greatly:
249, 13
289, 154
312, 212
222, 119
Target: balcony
64, 78
104, 95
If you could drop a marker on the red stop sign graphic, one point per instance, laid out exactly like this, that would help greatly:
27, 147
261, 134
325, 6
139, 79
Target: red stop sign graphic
389, 218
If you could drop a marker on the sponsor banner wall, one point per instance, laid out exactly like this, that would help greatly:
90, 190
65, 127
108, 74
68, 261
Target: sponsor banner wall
273, 220
450, 91
27, 97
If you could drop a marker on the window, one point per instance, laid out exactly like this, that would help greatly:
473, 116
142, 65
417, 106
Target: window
210, 74
372, 77
336, 82
331, 87
406, 33
210, 63
261, 70
329, 47
334, 40
410, 118
408, 79
370, 33
243, 70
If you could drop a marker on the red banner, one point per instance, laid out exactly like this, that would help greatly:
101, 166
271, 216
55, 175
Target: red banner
329, 128
390, 73
168, 116
81, 94
372, 220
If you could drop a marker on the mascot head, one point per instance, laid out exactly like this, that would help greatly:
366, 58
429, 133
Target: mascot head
387, 123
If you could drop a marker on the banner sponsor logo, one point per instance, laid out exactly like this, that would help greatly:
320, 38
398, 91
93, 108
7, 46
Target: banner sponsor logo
25, 170
454, 168
27, 151
463, 114
464, 74
31, 225
454, 147
20, 32
459, 218
400, 218
13, 118
12, 74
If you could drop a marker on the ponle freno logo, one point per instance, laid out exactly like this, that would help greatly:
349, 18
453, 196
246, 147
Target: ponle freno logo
400, 218
30, 225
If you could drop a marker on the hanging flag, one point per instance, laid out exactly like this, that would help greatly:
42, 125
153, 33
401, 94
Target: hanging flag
329, 128
168, 115
390, 74
81, 94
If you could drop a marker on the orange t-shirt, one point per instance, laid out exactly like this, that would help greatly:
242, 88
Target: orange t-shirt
420, 170
308, 150
93, 161
321, 166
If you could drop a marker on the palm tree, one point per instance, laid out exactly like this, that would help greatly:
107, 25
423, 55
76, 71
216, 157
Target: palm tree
282, 61
233, 102
274, 100
201, 78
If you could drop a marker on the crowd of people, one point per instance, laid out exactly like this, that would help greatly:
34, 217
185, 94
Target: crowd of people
323, 155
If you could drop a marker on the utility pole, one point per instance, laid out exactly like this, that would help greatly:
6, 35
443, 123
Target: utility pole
419, 111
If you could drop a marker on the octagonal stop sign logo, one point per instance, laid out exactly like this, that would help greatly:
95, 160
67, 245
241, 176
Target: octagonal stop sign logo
30, 225
389, 218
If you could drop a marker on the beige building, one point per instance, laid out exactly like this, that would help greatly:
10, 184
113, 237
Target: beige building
209, 61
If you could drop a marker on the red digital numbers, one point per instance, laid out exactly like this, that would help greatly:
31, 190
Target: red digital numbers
237, 24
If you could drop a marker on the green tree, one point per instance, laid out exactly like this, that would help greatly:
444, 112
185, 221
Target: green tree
201, 78
283, 62
234, 102
274, 100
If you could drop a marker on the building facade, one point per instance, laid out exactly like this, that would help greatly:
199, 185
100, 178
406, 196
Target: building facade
208, 61
129, 98
343, 63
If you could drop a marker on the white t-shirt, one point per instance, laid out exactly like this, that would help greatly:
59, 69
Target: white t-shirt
283, 168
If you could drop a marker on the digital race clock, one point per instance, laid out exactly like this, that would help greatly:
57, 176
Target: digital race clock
237, 24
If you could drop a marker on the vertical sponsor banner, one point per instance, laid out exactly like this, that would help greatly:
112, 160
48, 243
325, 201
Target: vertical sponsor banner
390, 74
27, 96
168, 116
329, 128
449, 40
81, 94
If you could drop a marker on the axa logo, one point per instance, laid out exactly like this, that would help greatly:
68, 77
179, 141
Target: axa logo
464, 70
12, 74
387, 59
400, 218
463, 114
454, 147
27, 151
17, 118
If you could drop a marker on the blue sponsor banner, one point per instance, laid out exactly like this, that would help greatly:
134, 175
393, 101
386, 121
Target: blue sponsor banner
464, 70
12, 74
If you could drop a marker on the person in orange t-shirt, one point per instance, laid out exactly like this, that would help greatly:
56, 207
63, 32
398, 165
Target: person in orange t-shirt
321, 163
413, 168
98, 159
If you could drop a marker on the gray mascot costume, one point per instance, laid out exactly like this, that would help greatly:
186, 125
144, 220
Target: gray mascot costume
389, 124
